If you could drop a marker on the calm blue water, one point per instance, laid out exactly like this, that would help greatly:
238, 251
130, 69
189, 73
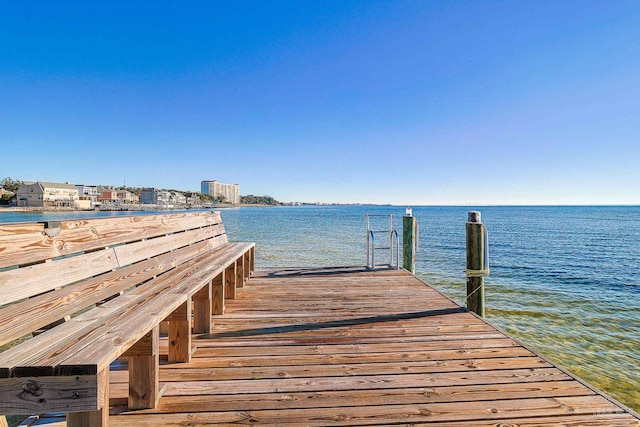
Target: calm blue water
564, 280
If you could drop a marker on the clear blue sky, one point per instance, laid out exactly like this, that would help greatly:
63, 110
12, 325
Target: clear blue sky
406, 102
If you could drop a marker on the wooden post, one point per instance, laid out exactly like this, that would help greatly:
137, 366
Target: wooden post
253, 260
218, 285
240, 272
144, 371
202, 306
180, 333
247, 265
230, 281
409, 236
477, 262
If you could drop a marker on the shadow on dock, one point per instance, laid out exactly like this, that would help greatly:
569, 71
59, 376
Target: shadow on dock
333, 324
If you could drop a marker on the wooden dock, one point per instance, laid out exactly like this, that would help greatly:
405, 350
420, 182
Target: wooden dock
346, 346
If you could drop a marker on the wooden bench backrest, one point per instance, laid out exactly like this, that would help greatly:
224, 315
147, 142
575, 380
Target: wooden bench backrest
39, 258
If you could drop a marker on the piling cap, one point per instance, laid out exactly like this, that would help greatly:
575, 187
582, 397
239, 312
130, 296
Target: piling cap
408, 212
475, 216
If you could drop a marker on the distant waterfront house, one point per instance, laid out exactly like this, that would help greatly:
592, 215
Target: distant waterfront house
154, 196
90, 193
107, 194
192, 199
176, 198
149, 196
125, 196
42, 194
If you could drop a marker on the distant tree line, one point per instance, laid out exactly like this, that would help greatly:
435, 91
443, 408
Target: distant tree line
10, 184
258, 200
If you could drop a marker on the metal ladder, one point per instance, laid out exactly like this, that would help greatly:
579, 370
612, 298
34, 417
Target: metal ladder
371, 245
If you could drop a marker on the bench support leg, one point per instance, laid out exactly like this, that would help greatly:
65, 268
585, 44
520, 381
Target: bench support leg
247, 265
99, 418
202, 310
218, 285
240, 272
253, 259
230, 282
180, 333
144, 371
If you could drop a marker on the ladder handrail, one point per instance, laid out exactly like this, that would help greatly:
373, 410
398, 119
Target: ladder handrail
395, 233
371, 246
371, 252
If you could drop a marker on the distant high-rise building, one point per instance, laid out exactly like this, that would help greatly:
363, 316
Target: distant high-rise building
230, 192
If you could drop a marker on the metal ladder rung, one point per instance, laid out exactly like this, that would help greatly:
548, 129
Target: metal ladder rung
381, 247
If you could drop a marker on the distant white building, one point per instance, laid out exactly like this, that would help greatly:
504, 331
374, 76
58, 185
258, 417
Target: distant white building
42, 194
230, 192
90, 193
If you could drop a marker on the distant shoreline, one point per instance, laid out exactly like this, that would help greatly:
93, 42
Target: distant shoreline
137, 208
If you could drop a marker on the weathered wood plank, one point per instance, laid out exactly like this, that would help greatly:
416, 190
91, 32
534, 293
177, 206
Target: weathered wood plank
363, 368
414, 340
21, 228
87, 235
386, 414
134, 252
176, 402
410, 355
210, 349
367, 382
37, 395
25, 282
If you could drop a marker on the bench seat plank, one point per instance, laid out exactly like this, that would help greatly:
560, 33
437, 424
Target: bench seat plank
103, 351
88, 330
8, 229
54, 340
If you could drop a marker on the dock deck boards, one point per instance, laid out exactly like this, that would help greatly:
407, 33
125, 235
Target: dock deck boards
345, 346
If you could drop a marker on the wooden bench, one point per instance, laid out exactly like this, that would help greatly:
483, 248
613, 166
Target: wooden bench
101, 288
